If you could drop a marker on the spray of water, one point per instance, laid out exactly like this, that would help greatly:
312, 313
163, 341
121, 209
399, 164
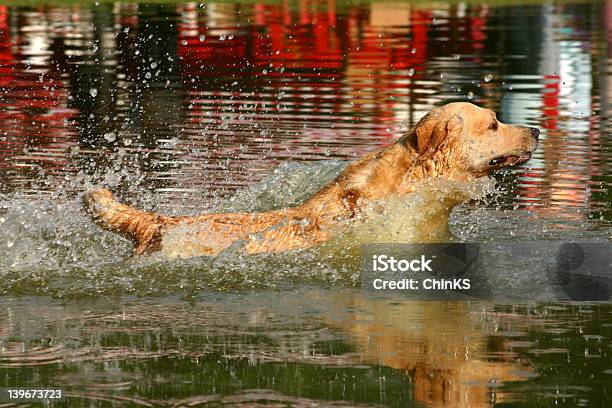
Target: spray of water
51, 246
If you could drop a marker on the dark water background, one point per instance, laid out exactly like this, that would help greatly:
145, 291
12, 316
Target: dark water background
189, 107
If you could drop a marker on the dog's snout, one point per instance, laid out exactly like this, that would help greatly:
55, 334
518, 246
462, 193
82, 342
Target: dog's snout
535, 132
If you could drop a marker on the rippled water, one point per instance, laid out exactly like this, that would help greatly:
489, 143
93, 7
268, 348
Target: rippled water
306, 346
187, 108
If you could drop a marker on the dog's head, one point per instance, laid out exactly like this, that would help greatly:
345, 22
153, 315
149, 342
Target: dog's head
463, 138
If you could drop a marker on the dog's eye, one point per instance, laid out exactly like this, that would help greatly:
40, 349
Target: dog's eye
494, 125
496, 161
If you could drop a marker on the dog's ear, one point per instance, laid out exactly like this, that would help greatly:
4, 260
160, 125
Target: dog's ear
433, 129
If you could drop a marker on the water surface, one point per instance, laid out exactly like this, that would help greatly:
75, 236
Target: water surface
187, 108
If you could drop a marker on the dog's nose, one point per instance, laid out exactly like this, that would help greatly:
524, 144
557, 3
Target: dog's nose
535, 132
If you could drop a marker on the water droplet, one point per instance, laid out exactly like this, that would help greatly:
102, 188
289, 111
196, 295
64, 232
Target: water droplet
488, 78
403, 125
411, 72
93, 92
202, 38
148, 75
414, 50
153, 65
110, 136
470, 95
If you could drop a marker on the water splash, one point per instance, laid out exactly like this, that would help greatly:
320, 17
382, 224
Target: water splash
51, 245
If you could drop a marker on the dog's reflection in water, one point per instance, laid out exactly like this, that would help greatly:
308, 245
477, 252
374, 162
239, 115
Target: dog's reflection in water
443, 347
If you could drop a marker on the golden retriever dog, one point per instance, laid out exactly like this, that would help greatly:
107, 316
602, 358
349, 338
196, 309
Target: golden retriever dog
458, 141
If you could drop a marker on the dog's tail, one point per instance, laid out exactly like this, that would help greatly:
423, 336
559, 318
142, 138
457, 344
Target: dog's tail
144, 228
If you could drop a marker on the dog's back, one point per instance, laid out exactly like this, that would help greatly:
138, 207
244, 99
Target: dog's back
204, 234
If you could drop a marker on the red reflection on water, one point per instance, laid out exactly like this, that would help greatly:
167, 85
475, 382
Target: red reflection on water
260, 83
34, 113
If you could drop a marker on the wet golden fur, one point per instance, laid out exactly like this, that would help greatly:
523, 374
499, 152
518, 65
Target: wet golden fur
457, 141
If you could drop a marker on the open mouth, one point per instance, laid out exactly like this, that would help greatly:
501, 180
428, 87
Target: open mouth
503, 161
